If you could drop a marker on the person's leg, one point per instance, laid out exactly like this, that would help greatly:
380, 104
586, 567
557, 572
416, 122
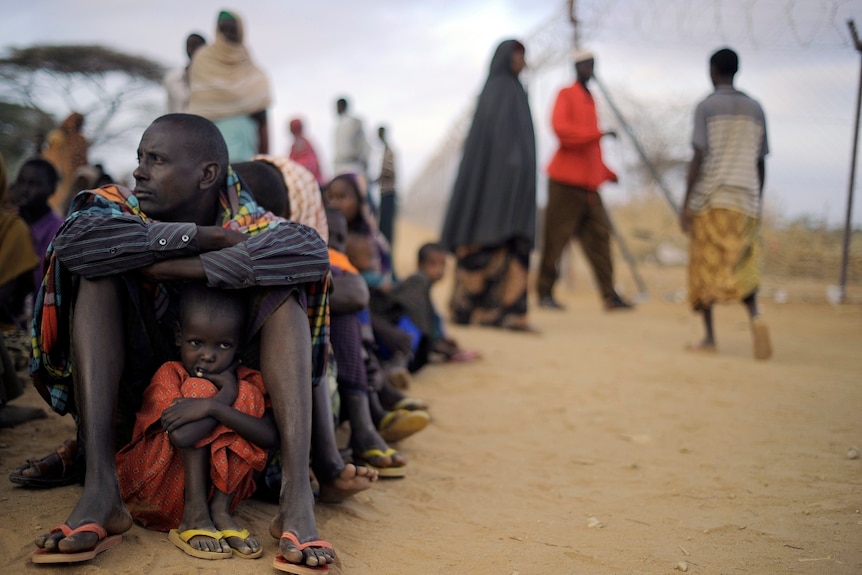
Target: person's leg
750, 303
561, 218
224, 521
708, 342
363, 432
759, 328
196, 509
286, 368
337, 480
98, 356
595, 236
387, 217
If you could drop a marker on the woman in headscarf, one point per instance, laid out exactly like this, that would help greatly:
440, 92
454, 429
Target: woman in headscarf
67, 150
490, 222
229, 89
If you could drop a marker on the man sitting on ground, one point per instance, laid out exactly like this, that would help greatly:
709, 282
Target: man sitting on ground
110, 297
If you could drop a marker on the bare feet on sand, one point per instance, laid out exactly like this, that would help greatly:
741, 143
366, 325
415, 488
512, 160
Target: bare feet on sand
350, 481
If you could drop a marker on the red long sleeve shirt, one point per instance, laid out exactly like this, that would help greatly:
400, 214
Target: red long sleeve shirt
578, 160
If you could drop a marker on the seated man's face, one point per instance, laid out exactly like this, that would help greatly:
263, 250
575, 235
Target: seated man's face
167, 179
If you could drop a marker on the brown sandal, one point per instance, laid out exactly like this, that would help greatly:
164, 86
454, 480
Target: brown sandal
54, 470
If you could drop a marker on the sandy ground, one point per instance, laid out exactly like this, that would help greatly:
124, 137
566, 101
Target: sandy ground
598, 446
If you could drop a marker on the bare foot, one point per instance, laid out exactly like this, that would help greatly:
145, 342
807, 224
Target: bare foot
701, 347
98, 504
350, 481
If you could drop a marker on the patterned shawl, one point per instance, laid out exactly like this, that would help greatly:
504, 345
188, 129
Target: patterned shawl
51, 364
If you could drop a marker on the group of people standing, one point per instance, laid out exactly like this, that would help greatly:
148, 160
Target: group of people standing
222, 83
490, 221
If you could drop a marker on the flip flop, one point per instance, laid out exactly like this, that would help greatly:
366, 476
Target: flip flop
389, 472
181, 540
244, 534
762, 345
401, 423
410, 404
466, 355
105, 542
281, 564
700, 348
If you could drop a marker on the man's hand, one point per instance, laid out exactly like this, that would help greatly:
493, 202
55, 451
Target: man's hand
212, 238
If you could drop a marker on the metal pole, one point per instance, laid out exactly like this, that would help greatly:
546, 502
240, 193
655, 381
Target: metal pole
668, 196
848, 224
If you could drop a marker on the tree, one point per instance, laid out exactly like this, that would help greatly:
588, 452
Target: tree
20, 130
116, 92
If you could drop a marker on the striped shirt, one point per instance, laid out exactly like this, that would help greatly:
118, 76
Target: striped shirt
95, 243
730, 130
107, 234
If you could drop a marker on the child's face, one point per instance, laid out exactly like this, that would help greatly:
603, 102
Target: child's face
208, 342
434, 266
340, 195
32, 187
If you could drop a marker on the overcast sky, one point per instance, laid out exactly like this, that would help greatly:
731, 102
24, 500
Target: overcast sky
415, 65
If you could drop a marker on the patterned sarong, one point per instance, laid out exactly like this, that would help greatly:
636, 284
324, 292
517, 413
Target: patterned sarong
723, 258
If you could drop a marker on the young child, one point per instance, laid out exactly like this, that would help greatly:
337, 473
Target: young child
421, 319
204, 426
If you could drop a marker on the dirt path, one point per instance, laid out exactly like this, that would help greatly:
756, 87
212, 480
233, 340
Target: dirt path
597, 447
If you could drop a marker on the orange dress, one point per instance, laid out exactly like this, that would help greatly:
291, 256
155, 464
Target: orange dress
150, 468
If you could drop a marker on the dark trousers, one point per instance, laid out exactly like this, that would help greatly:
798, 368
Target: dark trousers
388, 211
574, 212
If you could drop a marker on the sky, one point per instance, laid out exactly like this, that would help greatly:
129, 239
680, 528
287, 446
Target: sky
417, 66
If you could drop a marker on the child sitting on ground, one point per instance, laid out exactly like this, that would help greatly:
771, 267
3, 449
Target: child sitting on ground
204, 426
413, 295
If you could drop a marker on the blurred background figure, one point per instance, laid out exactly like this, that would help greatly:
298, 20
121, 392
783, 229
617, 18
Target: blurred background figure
351, 148
67, 149
490, 222
302, 151
228, 88
176, 81
18, 260
386, 185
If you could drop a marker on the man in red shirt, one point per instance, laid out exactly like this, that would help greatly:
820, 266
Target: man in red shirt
574, 205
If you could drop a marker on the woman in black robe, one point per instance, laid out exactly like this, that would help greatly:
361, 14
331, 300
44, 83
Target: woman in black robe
491, 218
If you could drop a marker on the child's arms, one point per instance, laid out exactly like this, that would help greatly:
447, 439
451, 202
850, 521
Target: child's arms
188, 420
260, 431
